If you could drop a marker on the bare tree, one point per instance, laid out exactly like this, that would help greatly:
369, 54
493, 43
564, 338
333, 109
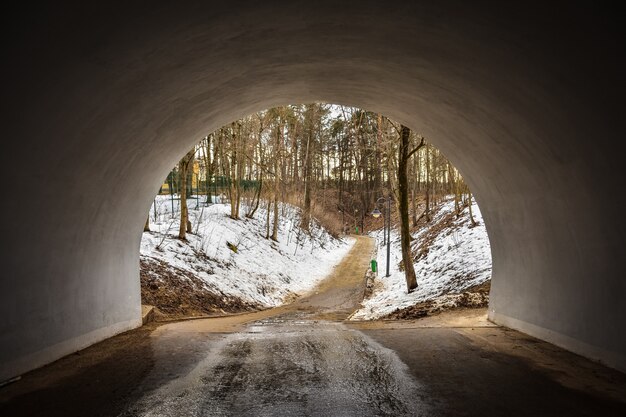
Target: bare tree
469, 204
277, 157
309, 120
183, 170
404, 154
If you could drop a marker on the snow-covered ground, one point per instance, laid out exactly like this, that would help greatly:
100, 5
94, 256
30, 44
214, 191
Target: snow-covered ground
261, 271
458, 258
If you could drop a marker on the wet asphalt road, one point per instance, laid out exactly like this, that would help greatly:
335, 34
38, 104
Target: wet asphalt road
299, 360
293, 369
304, 359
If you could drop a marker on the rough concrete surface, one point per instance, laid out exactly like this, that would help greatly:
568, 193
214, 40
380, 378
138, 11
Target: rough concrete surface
102, 98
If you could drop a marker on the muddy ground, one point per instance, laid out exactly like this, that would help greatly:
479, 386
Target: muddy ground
176, 293
473, 297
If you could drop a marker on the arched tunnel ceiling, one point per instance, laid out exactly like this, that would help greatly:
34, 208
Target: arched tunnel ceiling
103, 99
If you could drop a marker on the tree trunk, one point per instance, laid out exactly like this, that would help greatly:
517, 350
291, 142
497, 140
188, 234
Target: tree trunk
256, 199
276, 187
306, 212
234, 171
454, 188
241, 166
414, 207
416, 184
259, 179
469, 204
275, 226
183, 167
267, 228
378, 187
207, 167
403, 208
428, 183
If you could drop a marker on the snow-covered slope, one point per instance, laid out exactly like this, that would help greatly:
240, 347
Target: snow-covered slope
261, 271
456, 258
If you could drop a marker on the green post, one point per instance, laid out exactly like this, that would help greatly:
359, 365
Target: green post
374, 265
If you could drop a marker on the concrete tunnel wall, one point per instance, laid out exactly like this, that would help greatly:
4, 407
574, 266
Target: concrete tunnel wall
101, 100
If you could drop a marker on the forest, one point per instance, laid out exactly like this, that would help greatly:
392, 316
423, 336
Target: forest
334, 162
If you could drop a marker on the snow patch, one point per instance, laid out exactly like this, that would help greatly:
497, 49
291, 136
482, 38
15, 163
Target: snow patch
261, 271
458, 258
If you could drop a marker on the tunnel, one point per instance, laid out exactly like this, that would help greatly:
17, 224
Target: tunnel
102, 99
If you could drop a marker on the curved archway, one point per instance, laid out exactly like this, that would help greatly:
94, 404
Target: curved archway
99, 95
235, 176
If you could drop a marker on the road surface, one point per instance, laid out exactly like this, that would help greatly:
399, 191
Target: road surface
304, 359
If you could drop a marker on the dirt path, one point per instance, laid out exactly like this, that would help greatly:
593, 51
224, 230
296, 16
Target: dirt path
335, 298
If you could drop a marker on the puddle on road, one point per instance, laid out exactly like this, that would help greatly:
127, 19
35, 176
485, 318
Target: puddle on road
294, 368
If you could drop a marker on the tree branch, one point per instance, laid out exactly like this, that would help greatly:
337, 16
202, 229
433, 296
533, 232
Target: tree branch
417, 148
394, 126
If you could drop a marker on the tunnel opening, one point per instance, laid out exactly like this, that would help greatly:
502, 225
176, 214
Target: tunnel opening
270, 204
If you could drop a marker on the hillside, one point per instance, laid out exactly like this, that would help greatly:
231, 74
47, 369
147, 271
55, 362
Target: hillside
227, 265
452, 264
